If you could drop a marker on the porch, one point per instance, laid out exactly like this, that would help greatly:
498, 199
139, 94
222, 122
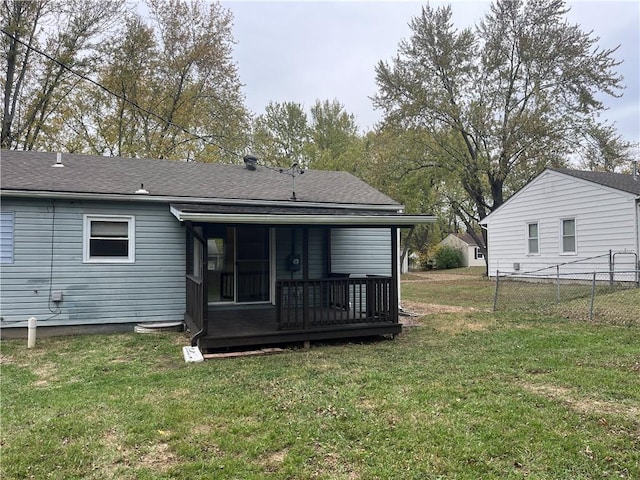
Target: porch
304, 310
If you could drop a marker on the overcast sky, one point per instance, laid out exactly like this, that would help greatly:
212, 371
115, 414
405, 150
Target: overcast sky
301, 51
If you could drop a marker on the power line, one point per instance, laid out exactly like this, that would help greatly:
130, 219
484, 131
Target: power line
121, 97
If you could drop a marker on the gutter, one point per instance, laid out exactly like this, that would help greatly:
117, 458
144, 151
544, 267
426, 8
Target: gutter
291, 219
120, 197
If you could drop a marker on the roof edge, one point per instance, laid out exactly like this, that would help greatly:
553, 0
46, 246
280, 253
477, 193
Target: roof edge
213, 201
551, 170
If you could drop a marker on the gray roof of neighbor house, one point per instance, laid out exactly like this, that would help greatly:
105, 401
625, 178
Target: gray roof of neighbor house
26, 171
467, 238
619, 181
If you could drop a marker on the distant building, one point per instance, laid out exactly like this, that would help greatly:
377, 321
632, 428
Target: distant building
471, 253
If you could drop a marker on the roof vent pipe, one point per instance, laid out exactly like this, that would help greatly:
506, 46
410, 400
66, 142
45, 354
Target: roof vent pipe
58, 161
250, 162
142, 190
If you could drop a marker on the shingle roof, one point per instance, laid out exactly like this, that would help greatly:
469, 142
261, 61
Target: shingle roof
619, 181
467, 238
85, 174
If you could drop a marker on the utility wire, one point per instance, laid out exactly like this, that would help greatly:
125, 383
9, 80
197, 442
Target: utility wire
291, 171
121, 97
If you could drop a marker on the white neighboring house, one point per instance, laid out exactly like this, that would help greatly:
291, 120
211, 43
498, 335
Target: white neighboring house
471, 253
567, 217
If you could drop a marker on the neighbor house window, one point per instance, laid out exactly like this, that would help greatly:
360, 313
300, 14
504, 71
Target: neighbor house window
533, 240
477, 254
568, 228
109, 239
6, 237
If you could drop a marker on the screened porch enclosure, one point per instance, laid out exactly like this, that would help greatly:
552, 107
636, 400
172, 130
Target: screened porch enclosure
258, 285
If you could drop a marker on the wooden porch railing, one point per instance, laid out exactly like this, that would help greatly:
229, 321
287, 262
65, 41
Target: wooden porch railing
303, 304
195, 301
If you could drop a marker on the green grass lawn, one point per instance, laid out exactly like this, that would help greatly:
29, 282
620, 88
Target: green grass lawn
464, 396
465, 287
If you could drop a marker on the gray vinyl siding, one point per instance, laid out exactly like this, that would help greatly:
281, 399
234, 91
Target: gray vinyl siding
6, 237
361, 251
605, 220
48, 239
289, 240
317, 253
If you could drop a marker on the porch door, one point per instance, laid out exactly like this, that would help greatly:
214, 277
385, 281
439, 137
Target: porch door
252, 264
239, 264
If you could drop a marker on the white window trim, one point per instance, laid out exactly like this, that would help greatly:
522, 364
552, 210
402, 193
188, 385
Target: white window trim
561, 236
11, 259
86, 233
527, 238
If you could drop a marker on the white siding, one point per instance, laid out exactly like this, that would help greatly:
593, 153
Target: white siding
361, 251
48, 257
605, 220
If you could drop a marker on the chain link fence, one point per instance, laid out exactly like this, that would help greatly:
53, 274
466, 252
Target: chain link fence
610, 295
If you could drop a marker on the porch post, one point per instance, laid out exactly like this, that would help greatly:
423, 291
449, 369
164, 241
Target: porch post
205, 285
198, 313
395, 277
305, 276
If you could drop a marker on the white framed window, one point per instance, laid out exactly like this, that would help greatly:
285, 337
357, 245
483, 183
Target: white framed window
568, 243
108, 239
6, 237
533, 239
477, 253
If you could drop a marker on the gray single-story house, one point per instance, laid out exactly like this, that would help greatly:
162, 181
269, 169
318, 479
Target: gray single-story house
244, 255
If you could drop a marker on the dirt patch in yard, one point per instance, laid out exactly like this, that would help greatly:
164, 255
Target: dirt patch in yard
5, 360
438, 277
583, 404
454, 324
421, 309
159, 457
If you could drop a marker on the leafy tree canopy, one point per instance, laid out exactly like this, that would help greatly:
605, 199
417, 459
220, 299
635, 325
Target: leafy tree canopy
497, 103
327, 139
163, 86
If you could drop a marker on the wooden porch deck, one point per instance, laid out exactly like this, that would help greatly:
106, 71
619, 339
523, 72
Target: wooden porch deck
259, 326
307, 310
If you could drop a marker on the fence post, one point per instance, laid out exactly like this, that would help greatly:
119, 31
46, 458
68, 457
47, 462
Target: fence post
558, 283
593, 296
611, 267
